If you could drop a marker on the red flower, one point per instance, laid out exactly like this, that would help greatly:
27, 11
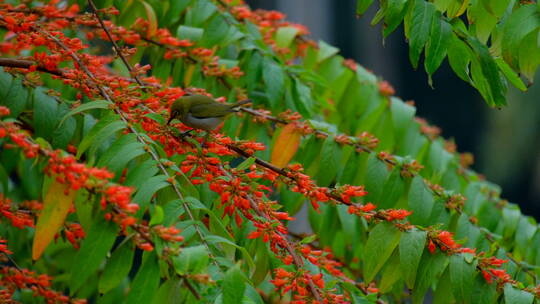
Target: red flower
431, 247
397, 214
3, 247
4, 111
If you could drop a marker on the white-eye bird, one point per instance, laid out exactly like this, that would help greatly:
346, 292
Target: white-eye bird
202, 112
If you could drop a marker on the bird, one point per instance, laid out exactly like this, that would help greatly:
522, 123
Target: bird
202, 112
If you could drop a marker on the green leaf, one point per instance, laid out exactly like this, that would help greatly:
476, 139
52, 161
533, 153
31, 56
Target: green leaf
382, 241
141, 173
510, 216
516, 296
105, 128
329, 162
437, 45
191, 33
496, 7
520, 23
246, 164
487, 79
169, 292
117, 268
529, 55
392, 190
14, 95
285, 35
146, 282
459, 57
215, 31
120, 153
148, 189
525, 231
456, 8
233, 286
390, 274
421, 21
411, 247
325, 51
394, 15
175, 10
376, 176
201, 11
245, 253
274, 78
98, 241
156, 117
512, 76
191, 260
45, 114
438, 159
63, 134
431, 268
362, 6
462, 276
158, 215
402, 116
420, 202
96, 104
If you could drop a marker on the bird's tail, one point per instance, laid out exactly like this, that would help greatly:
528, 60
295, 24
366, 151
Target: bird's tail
240, 103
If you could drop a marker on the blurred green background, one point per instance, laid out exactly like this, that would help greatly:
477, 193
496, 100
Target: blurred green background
505, 142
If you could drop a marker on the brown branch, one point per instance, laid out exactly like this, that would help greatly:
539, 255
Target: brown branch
281, 172
115, 45
26, 64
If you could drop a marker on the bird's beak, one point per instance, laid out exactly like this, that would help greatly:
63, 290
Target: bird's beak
170, 119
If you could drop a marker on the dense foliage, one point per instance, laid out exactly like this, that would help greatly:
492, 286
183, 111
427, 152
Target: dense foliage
488, 42
102, 201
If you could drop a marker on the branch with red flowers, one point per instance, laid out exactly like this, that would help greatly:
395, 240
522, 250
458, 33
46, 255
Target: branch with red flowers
73, 174
13, 278
366, 144
438, 239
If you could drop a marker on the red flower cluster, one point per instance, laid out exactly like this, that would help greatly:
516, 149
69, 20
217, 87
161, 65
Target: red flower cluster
324, 259
12, 212
489, 267
298, 282
368, 140
362, 210
345, 192
68, 171
74, 234
386, 89
444, 240
4, 111
169, 234
4, 247
269, 23
432, 132
12, 279
396, 214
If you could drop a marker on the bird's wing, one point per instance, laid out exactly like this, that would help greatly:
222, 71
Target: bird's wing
210, 109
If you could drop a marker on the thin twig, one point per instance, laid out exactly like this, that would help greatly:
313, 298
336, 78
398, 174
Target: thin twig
115, 45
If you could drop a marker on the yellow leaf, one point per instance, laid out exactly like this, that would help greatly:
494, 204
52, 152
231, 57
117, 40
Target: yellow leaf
457, 8
286, 145
55, 209
189, 74
152, 19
